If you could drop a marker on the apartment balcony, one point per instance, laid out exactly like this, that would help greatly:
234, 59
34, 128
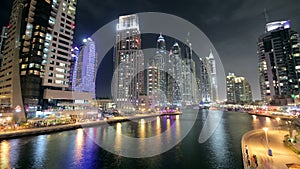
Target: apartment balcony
25, 50
30, 20
32, 8
31, 13
27, 37
33, 2
26, 43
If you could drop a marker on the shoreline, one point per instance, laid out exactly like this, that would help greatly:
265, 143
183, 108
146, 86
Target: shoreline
60, 128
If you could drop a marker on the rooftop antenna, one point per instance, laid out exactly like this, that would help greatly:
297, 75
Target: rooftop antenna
266, 15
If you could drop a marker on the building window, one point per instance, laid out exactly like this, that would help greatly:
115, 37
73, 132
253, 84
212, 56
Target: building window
31, 65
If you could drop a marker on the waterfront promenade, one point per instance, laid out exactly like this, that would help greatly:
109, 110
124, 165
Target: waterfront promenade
256, 143
44, 130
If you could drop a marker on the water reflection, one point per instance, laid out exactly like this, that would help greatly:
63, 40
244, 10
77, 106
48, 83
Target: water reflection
118, 138
178, 135
79, 141
40, 150
268, 120
79, 149
5, 155
258, 122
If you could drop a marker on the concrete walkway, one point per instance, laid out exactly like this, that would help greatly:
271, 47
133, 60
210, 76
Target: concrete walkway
256, 143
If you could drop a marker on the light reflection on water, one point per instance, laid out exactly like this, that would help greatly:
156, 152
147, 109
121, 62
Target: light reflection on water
5, 154
79, 141
76, 149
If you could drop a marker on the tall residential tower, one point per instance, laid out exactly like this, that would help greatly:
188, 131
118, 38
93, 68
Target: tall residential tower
128, 64
279, 62
35, 71
238, 89
84, 73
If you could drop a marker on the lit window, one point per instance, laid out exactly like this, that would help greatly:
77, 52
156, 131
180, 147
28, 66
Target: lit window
60, 70
52, 21
48, 37
59, 76
58, 81
36, 72
24, 66
31, 65
42, 34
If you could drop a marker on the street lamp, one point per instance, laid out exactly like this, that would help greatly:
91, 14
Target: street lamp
266, 134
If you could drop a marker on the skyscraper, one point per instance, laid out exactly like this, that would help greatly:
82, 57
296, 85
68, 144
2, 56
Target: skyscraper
128, 63
175, 76
279, 62
84, 73
156, 75
3, 37
204, 80
213, 76
238, 89
188, 75
35, 70
207, 80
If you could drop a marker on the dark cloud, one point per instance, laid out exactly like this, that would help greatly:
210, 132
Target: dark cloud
233, 26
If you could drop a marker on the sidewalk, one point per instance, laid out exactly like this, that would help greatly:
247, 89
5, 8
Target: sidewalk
256, 143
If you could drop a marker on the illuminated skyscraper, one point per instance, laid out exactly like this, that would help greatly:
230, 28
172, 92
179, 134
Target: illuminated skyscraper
207, 80
84, 73
279, 62
35, 71
238, 89
128, 63
213, 77
204, 80
175, 76
3, 37
188, 75
156, 75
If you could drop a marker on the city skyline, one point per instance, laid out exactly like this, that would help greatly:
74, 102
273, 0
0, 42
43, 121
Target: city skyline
230, 26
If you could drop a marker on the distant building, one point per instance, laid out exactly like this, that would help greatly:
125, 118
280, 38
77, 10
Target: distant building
73, 68
156, 75
84, 71
207, 80
128, 64
175, 76
238, 89
3, 37
188, 75
279, 63
35, 70
213, 76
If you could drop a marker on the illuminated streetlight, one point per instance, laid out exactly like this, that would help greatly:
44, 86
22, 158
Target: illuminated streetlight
266, 134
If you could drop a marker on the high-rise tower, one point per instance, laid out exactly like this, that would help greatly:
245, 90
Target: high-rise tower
3, 37
84, 73
175, 76
156, 75
238, 89
128, 63
279, 61
213, 76
37, 54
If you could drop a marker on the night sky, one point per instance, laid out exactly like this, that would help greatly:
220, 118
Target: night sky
233, 26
